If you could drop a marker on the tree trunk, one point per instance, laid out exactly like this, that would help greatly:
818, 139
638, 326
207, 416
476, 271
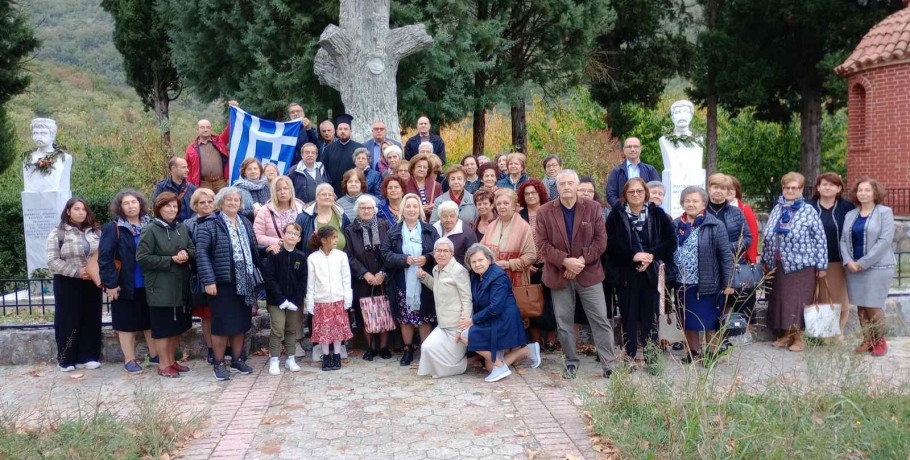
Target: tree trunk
360, 59
480, 131
162, 116
519, 125
810, 133
711, 96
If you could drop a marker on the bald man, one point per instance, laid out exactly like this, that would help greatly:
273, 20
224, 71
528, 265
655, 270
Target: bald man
412, 147
177, 184
207, 158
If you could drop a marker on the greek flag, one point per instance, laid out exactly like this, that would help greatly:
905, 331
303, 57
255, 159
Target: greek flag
269, 141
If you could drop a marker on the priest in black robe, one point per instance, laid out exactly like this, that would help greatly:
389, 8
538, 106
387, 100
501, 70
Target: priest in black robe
338, 157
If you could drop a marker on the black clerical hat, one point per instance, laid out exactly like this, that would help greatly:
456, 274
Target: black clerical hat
343, 118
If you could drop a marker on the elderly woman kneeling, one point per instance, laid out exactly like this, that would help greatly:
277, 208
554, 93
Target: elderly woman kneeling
496, 330
442, 354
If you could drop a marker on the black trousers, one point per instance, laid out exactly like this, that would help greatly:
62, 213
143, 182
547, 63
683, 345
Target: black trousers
638, 305
77, 320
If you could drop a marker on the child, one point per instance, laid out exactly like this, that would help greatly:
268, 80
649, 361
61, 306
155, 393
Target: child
329, 294
285, 281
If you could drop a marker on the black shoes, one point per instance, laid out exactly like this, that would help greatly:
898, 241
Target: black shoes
370, 354
691, 357
326, 362
570, 372
407, 357
336, 361
608, 373
211, 357
384, 353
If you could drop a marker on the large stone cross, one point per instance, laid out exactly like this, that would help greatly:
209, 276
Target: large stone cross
360, 60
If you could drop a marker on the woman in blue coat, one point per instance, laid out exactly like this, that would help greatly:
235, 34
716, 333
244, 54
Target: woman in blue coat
496, 330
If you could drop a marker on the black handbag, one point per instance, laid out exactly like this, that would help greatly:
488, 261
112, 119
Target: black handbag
733, 324
747, 277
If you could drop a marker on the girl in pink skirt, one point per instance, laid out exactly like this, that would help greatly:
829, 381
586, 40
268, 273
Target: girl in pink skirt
329, 294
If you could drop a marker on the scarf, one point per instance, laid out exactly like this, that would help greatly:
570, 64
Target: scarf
788, 211
247, 184
684, 227
550, 184
243, 260
134, 229
370, 232
412, 245
637, 222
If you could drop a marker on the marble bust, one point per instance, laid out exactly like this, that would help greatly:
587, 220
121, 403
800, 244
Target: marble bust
679, 155
49, 166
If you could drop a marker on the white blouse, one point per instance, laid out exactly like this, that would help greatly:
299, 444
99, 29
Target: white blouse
329, 278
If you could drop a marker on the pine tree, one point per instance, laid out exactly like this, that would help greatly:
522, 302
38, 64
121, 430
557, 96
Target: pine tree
17, 42
778, 56
141, 36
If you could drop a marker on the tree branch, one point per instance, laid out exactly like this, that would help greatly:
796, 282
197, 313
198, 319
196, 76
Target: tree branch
405, 41
326, 70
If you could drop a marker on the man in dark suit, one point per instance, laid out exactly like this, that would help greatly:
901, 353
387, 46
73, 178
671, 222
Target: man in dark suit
374, 146
631, 167
338, 157
412, 147
571, 236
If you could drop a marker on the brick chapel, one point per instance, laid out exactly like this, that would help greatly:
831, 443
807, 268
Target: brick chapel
878, 134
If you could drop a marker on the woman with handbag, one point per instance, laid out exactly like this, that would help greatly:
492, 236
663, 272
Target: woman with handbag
77, 300
407, 248
735, 197
203, 205
164, 252
795, 247
738, 233
368, 278
531, 196
228, 266
832, 209
281, 209
495, 330
869, 259
511, 239
703, 267
442, 354
640, 236
125, 287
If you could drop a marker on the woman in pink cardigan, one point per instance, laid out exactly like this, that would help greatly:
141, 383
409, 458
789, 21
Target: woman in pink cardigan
279, 211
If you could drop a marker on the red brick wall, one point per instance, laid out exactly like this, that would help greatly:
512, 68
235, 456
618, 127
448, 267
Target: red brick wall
878, 137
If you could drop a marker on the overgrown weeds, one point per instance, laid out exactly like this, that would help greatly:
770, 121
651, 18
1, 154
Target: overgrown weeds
837, 411
152, 427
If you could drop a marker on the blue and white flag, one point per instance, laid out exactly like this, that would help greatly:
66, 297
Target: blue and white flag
269, 141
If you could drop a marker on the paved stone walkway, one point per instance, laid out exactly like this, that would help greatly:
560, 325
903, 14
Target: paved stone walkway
379, 410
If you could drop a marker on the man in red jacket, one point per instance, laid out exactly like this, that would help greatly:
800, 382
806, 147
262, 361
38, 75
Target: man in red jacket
207, 158
571, 236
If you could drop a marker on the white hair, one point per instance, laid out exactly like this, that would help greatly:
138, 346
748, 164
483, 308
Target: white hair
448, 205
428, 144
567, 172
444, 240
392, 148
224, 192
365, 199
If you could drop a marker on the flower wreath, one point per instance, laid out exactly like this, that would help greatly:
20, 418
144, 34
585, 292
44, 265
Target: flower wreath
684, 139
45, 164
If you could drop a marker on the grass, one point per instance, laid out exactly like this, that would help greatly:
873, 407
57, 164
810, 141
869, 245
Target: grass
24, 317
92, 431
839, 411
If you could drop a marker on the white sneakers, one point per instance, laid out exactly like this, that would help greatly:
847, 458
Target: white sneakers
498, 373
291, 364
89, 365
535, 355
274, 366
67, 368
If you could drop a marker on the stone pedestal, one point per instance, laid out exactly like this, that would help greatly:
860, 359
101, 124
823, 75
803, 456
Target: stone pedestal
40, 215
674, 183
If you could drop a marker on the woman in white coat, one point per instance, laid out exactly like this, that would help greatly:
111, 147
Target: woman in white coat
443, 353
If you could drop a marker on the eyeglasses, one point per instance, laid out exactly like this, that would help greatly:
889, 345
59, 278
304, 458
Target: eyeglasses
792, 189
635, 192
443, 251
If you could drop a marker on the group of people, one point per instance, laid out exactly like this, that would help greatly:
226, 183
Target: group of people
351, 231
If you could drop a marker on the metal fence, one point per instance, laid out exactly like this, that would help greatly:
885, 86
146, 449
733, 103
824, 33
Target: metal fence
898, 199
29, 303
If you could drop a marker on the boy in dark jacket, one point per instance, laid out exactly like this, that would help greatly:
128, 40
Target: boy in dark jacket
285, 283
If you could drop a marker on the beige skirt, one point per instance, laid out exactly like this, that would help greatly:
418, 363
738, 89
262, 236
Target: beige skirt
837, 285
441, 356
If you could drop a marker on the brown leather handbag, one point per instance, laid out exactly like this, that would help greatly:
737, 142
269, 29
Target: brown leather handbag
529, 298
